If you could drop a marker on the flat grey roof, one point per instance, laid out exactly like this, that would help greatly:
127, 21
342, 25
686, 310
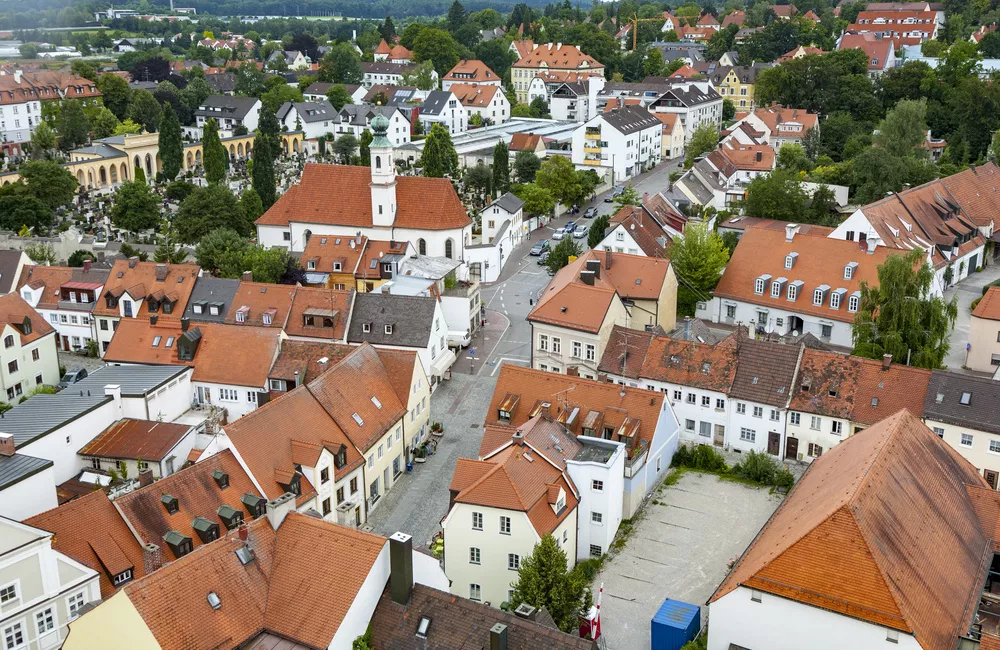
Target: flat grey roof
136, 381
16, 468
43, 414
594, 452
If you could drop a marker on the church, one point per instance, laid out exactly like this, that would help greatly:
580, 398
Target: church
344, 200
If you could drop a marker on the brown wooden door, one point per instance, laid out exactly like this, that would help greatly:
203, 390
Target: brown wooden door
774, 443
991, 477
720, 435
791, 448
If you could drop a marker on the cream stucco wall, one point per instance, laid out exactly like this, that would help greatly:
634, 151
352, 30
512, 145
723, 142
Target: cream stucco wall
977, 451
379, 463
114, 623
984, 344
822, 434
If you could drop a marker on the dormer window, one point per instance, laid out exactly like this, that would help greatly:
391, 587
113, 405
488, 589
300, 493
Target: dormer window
311, 265
790, 260
268, 317
198, 308
366, 328
388, 329
242, 313
340, 458
849, 270
207, 530
221, 479
854, 301
170, 503
230, 516
255, 505
819, 295
180, 544
760, 284
337, 266
835, 301
214, 309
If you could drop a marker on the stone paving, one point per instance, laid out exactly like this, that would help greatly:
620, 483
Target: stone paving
419, 500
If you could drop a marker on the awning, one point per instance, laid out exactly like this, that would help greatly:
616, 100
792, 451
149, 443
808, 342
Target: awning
443, 362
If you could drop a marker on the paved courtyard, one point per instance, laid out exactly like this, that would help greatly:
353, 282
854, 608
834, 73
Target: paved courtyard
418, 502
678, 549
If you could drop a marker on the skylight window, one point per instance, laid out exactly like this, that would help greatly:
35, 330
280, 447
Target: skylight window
423, 627
357, 418
156, 341
966, 399
375, 401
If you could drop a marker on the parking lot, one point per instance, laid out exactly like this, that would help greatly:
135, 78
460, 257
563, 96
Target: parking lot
679, 549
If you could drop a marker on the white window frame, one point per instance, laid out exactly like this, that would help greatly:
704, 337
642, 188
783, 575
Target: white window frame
475, 555
748, 435
504, 519
477, 521
818, 297
962, 439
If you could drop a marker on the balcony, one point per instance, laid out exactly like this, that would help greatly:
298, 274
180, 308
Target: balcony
592, 134
636, 459
592, 161
591, 148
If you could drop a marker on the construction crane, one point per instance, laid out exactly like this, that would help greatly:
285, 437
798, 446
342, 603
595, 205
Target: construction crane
634, 21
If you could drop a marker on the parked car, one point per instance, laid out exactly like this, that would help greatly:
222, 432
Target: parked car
539, 248
590, 213
543, 258
570, 225
614, 194
560, 233
72, 377
580, 231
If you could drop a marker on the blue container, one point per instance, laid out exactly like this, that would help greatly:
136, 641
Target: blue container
674, 624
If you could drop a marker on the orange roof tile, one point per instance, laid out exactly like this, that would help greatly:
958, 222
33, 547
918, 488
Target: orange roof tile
375, 251
880, 528
879, 392
320, 313
82, 526
774, 116
198, 495
226, 354
333, 254
274, 300
471, 71
876, 49
645, 230
821, 261
474, 96
989, 305
303, 357
826, 384
129, 438
54, 277
140, 281
558, 57
14, 311
421, 203
524, 141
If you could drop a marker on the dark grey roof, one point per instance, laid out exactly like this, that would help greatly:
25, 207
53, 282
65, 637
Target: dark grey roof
436, 102
321, 88
223, 82
765, 372
226, 106
411, 318
16, 468
315, 111
208, 290
510, 202
136, 381
102, 150
944, 401
693, 329
657, 85
8, 270
361, 114
143, 85
689, 95
570, 89
631, 119
43, 414
384, 67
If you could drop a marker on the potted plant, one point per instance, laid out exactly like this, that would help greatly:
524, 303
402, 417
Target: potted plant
437, 429
420, 454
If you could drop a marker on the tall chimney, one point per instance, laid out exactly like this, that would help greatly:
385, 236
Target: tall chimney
145, 476
6, 444
886, 361
498, 637
791, 230
595, 266
248, 276
132, 261
278, 509
161, 272
607, 259
86, 265
400, 567
152, 557
114, 391
587, 277
871, 245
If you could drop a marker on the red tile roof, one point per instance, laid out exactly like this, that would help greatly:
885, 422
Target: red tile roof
647, 233
470, 71
876, 49
558, 56
989, 305
474, 96
326, 250
15, 312
55, 277
139, 280
879, 391
234, 355
775, 116
274, 300
880, 528
131, 439
314, 307
91, 531
421, 203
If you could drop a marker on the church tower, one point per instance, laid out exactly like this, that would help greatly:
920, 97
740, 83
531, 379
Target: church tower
383, 185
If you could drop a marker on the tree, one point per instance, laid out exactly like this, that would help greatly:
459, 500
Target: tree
151, 68
387, 30
275, 97
904, 128
989, 45
543, 581
338, 96
559, 176
264, 153
439, 158
42, 254
19, 208
207, 209
538, 201
251, 205
705, 138
28, 51
437, 46
115, 93
344, 147
456, 16
74, 127
526, 165
479, 180
170, 143
597, 231
728, 110
105, 123
214, 244
135, 208
341, 65
213, 154
305, 43
822, 206
168, 252
145, 110
78, 257
43, 140
364, 147
698, 258
652, 65
501, 168
899, 317
128, 127
422, 76
49, 182
559, 256
249, 80
267, 264
539, 108
778, 195
629, 196
793, 157
812, 143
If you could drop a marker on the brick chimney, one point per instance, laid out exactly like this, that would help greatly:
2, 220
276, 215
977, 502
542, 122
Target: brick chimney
132, 261
145, 477
886, 361
248, 276
87, 264
6, 444
161, 272
607, 259
152, 557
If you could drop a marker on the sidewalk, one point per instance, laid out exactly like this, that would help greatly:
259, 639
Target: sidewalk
966, 291
471, 359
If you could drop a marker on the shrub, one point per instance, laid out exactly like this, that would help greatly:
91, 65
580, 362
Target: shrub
179, 190
706, 458
757, 467
588, 569
784, 480
682, 457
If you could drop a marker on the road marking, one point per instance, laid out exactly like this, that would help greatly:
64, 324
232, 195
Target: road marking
499, 338
509, 359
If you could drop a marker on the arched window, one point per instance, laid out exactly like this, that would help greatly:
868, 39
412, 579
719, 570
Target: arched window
378, 162
449, 248
421, 246
307, 234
